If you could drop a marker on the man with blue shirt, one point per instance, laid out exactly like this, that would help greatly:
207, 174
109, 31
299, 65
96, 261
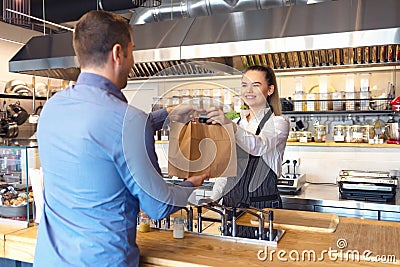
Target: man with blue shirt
98, 157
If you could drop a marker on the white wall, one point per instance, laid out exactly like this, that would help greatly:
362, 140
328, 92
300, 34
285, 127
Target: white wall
9, 49
140, 94
322, 164
378, 80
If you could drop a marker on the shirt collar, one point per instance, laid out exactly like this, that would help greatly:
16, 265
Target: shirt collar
260, 115
101, 82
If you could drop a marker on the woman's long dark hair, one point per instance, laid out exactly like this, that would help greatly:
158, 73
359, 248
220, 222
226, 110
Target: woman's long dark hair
273, 100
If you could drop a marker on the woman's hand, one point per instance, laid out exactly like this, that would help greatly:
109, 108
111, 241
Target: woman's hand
216, 115
182, 113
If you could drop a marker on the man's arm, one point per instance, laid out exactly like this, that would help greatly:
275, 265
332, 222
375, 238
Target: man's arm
140, 176
157, 118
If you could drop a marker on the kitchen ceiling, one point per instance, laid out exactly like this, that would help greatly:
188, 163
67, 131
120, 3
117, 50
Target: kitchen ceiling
330, 34
61, 12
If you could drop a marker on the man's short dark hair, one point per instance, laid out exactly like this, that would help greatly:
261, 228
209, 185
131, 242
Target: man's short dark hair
95, 35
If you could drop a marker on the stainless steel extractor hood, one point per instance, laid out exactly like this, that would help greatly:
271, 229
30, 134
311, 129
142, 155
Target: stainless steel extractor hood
328, 34
49, 56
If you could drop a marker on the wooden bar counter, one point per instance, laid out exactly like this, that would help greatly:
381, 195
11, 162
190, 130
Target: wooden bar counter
159, 248
6, 229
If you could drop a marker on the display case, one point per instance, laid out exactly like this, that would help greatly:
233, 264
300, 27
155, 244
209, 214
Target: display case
17, 157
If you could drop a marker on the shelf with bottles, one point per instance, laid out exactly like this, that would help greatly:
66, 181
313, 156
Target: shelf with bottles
338, 103
16, 197
227, 99
344, 130
338, 93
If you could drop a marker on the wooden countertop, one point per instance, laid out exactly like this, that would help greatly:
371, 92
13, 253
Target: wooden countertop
159, 248
6, 229
20, 245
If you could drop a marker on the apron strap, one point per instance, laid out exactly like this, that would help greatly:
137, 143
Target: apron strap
262, 122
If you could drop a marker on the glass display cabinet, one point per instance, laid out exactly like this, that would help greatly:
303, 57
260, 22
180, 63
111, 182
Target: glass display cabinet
17, 157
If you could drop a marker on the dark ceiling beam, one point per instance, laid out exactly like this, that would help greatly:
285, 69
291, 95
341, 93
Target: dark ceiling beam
66, 11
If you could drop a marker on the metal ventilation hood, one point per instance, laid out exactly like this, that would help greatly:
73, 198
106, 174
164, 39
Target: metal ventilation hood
50, 56
334, 33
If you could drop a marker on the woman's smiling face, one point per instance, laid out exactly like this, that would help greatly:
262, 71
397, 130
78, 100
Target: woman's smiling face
255, 89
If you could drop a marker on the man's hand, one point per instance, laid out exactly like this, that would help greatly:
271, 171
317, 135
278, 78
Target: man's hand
216, 115
198, 180
182, 113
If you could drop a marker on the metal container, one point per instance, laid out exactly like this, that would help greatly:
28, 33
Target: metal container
15, 211
393, 131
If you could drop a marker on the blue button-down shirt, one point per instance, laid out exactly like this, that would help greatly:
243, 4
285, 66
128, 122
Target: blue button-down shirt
97, 175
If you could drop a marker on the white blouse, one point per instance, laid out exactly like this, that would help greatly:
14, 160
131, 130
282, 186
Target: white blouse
269, 144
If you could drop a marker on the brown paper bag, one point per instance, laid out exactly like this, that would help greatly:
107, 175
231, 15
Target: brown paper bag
196, 148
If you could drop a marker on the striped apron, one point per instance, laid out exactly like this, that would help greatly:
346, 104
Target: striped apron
256, 184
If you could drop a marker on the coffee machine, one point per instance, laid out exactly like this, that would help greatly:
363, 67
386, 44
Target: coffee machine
393, 125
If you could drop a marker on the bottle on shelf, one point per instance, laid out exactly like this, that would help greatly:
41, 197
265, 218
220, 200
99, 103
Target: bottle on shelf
298, 94
319, 133
324, 95
157, 104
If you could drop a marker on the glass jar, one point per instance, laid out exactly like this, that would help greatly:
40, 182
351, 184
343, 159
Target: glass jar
178, 228
197, 101
165, 133
216, 92
347, 133
320, 133
304, 136
217, 102
196, 92
167, 101
292, 137
144, 222
339, 133
369, 133
187, 100
185, 92
156, 103
237, 103
357, 134
176, 100
206, 102
206, 92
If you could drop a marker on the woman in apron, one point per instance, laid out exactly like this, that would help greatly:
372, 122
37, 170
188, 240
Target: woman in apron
261, 133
